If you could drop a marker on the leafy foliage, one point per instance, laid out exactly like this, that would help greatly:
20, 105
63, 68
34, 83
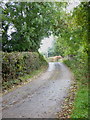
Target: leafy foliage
73, 39
80, 70
18, 64
32, 22
75, 42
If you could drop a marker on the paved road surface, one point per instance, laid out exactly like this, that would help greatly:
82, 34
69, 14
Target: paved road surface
42, 97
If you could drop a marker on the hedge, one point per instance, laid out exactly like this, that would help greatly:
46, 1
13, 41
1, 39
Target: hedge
18, 64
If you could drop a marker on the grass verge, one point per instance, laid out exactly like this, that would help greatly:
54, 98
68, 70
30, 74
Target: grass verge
80, 106
13, 84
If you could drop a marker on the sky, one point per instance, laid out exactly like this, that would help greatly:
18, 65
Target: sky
46, 43
72, 5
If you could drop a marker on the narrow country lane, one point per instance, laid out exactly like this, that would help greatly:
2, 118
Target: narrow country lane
42, 97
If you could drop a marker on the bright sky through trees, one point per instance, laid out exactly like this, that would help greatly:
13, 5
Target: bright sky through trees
72, 5
46, 43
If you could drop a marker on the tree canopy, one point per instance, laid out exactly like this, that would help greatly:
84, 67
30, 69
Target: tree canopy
73, 39
32, 22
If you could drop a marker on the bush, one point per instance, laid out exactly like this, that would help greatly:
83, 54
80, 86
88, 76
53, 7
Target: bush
17, 64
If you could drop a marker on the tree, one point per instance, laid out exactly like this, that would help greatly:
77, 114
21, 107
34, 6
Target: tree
32, 20
73, 39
